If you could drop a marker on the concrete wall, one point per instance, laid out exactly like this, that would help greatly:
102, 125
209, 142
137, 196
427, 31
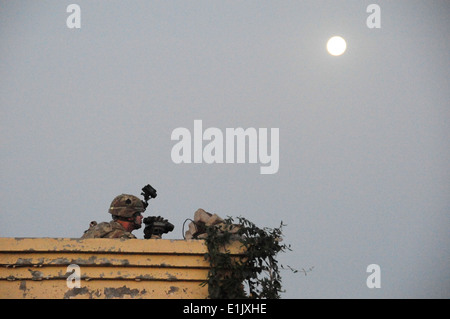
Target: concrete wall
109, 268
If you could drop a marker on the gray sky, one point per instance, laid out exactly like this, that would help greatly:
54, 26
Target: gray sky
364, 178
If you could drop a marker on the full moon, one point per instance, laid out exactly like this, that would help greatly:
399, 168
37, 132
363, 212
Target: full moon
336, 46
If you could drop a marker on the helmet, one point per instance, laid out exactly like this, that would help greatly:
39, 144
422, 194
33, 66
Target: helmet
126, 206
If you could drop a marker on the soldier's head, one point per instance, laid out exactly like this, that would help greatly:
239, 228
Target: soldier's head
127, 208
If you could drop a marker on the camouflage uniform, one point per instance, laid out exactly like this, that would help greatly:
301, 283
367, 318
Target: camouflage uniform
122, 206
107, 230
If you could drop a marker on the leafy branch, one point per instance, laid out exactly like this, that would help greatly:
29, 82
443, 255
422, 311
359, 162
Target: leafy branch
257, 268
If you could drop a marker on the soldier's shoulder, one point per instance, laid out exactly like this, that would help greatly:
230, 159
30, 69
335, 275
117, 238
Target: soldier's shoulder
98, 230
110, 229
117, 231
120, 234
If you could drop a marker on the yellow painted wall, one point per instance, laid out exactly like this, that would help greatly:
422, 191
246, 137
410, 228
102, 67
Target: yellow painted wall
110, 268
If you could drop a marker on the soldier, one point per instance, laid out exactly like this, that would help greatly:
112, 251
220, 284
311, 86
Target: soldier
126, 211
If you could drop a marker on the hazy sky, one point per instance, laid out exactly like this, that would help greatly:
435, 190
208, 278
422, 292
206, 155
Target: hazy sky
364, 177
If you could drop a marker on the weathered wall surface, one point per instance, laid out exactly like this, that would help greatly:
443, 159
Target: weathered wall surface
109, 268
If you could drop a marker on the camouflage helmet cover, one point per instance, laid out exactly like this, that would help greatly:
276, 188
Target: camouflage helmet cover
125, 205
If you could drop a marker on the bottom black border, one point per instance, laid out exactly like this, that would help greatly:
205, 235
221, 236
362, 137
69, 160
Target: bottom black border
182, 308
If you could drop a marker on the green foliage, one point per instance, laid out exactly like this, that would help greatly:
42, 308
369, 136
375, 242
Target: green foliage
256, 270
